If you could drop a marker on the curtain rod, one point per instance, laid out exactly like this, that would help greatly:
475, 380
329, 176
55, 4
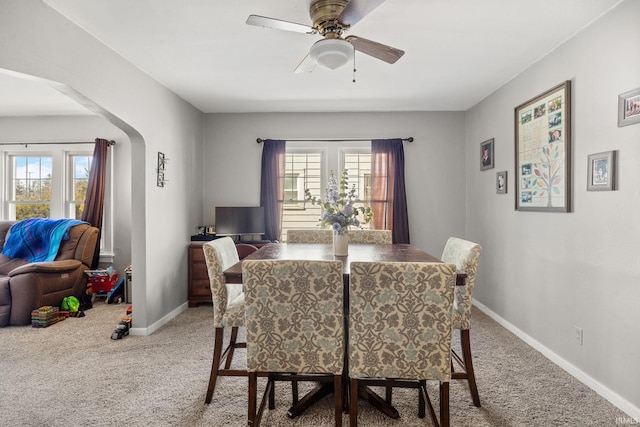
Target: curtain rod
260, 140
52, 143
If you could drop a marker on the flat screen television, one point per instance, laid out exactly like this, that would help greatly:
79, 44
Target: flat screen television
239, 221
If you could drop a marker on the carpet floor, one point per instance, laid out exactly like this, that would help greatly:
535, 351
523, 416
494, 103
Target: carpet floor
73, 374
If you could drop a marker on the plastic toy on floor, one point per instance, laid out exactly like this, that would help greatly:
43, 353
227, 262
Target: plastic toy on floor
122, 329
116, 294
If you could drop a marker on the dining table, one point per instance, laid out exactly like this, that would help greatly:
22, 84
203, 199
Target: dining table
356, 252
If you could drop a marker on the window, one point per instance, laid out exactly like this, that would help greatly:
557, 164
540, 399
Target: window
308, 167
292, 190
303, 170
51, 183
359, 166
30, 187
366, 179
79, 180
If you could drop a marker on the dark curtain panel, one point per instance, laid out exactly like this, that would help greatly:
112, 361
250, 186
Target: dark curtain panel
272, 186
94, 200
389, 198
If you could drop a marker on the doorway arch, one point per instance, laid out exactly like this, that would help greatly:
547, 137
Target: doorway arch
137, 202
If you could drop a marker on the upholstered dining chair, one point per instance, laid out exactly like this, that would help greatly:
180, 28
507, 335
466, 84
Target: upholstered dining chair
465, 255
295, 326
370, 236
228, 308
310, 236
400, 329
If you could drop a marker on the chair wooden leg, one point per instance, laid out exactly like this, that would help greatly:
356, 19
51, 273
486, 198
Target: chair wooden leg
294, 391
444, 404
260, 409
272, 392
465, 341
337, 385
215, 365
388, 394
252, 397
232, 346
421, 398
346, 399
353, 404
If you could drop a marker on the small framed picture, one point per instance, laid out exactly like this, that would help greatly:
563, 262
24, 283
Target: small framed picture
601, 171
501, 182
486, 155
629, 108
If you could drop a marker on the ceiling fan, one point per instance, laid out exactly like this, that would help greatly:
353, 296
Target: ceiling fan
331, 19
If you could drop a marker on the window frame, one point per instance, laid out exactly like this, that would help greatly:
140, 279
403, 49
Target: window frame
11, 201
70, 201
291, 203
296, 148
332, 159
362, 179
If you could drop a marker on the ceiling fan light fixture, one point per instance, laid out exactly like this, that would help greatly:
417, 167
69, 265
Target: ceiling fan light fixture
331, 53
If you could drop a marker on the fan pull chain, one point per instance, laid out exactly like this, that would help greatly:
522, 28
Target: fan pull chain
354, 64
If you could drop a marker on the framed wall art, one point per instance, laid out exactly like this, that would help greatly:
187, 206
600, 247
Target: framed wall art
543, 151
501, 182
629, 108
160, 171
601, 171
486, 154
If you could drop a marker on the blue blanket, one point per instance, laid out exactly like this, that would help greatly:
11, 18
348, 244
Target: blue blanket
37, 239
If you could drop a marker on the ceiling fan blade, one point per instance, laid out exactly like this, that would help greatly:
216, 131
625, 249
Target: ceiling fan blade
278, 24
380, 51
307, 65
356, 10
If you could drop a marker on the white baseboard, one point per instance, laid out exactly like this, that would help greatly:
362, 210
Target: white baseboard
161, 322
617, 400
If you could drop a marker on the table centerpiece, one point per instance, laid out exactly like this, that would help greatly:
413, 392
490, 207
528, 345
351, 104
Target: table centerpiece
339, 211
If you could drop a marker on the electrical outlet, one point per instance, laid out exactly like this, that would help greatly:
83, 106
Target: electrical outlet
579, 335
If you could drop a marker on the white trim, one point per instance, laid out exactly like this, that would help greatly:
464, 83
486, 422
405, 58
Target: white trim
613, 397
108, 230
160, 323
107, 258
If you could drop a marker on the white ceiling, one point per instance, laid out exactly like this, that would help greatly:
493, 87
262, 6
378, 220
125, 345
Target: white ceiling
29, 97
457, 51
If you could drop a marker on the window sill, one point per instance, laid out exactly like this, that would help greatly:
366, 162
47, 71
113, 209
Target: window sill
106, 258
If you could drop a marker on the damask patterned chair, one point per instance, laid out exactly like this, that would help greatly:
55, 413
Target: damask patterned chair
310, 236
228, 308
465, 255
295, 326
400, 329
370, 236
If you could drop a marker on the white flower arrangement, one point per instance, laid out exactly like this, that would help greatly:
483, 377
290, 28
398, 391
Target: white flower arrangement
338, 210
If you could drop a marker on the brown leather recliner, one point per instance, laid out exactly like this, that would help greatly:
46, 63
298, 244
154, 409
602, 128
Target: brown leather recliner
26, 286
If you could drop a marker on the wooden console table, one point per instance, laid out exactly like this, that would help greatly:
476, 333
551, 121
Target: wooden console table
199, 287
